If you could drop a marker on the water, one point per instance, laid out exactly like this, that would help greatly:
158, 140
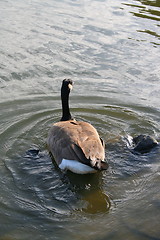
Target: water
111, 51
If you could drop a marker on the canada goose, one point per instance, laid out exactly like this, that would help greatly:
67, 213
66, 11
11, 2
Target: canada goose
143, 143
75, 145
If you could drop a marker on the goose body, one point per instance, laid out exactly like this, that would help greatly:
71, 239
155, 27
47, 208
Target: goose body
75, 145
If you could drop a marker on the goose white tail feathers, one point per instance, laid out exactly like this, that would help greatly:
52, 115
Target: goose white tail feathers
75, 145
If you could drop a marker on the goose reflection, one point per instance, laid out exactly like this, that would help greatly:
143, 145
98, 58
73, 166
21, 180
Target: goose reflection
90, 193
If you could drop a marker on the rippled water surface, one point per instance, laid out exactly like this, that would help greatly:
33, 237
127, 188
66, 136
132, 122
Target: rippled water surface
111, 49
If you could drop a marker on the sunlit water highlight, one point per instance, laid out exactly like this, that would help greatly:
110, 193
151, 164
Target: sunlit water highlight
111, 51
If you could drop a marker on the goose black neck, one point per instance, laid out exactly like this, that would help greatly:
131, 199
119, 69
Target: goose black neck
65, 106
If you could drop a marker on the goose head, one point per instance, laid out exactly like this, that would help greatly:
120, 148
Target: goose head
67, 85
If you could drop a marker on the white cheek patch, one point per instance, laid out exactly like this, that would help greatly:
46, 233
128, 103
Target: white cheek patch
76, 167
70, 86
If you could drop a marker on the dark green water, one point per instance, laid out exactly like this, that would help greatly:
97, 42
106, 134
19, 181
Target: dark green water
111, 49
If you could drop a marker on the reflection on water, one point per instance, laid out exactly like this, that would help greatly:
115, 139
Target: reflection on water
89, 188
147, 10
111, 50
150, 3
